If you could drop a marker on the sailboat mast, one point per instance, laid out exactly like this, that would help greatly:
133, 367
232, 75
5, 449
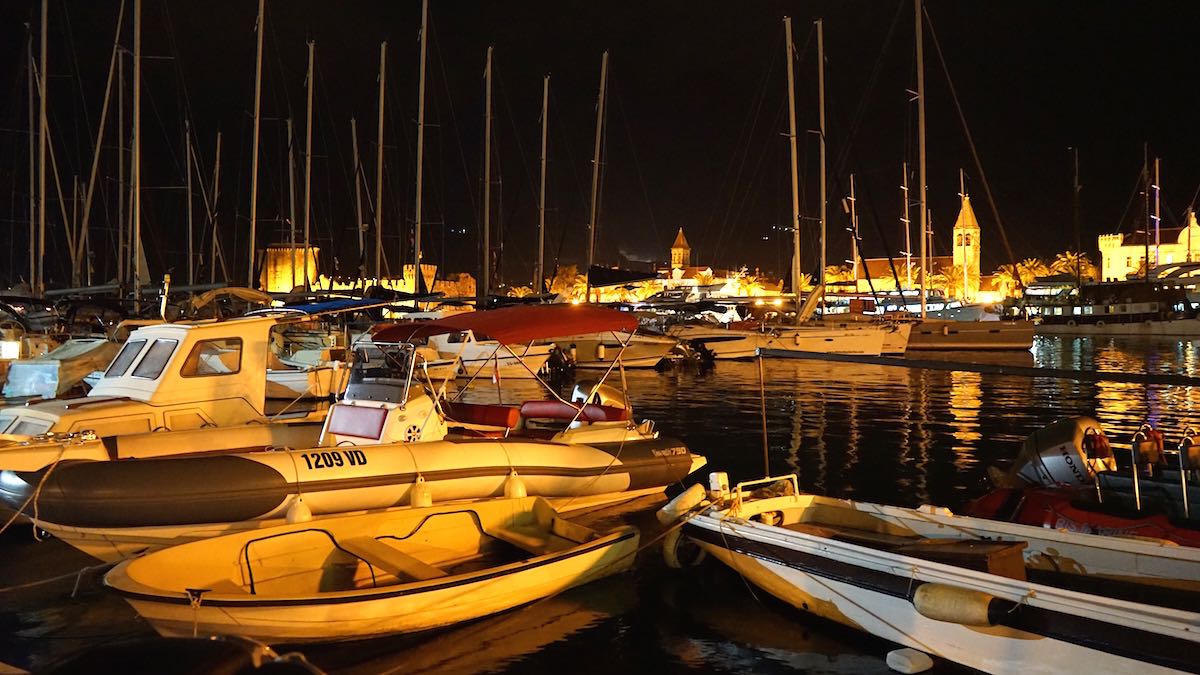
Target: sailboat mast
824, 186
591, 242
853, 232
122, 234
135, 171
420, 147
308, 123
39, 286
924, 213
1075, 217
962, 195
191, 263
1145, 208
212, 273
1157, 210
539, 267
485, 273
907, 226
33, 192
358, 215
791, 86
87, 200
262, 8
379, 170
291, 198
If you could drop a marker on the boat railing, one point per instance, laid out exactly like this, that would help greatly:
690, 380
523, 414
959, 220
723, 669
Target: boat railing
470, 512
769, 480
333, 540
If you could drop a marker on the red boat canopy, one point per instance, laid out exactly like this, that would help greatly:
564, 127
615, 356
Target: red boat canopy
514, 325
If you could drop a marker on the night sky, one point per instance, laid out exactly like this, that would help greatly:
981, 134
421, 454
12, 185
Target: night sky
696, 121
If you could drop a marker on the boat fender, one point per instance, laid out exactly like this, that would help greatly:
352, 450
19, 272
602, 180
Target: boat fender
681, 504
420, 496
298, 511
514, 487
908, 661
679, 551
955, 605
600, 352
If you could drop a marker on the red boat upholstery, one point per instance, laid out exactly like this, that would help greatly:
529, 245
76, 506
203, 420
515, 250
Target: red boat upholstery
481, 413
557, 410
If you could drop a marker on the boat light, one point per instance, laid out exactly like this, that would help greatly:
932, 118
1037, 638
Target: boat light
10, 349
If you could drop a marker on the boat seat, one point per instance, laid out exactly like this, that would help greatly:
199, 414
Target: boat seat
390, 559
506, 416
557, 410
851, 535
531, 541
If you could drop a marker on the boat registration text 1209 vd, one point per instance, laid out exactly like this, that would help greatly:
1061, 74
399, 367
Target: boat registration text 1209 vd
334, 458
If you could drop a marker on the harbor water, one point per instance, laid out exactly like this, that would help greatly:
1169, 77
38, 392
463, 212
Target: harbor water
870, 432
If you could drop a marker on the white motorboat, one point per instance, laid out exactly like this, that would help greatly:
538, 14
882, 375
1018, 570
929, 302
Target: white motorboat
735, 343
367, 575
489, 358
945, 334
600, 349
946, 586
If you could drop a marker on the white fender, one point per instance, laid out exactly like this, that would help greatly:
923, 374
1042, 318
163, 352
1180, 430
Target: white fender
298, 511
681, 504
672, 543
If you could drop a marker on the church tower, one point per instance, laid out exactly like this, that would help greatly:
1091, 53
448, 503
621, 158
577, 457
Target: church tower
681, 253
966, 251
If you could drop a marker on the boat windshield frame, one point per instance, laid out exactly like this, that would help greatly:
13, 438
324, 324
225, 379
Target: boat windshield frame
381, 371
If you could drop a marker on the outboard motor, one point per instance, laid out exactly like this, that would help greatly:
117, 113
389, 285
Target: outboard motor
1068, 452
605, 394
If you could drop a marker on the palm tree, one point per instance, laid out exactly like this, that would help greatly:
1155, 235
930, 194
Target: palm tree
1070, 262
704, 278
1007, 280
1031, 269
806, 282
520, 292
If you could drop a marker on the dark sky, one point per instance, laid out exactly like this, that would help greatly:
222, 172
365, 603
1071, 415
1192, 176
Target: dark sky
695, 125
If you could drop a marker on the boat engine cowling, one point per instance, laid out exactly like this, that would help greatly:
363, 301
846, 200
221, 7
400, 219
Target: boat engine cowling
1070, 451
605, 394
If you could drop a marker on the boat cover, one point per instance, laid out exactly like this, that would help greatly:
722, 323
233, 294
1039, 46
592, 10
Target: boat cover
511, 325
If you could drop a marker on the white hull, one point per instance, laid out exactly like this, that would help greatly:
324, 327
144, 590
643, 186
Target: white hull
938, 335
744, 344
597, 350
1177, 328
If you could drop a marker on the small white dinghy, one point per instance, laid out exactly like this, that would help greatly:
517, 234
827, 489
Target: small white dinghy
963, 598
395, 571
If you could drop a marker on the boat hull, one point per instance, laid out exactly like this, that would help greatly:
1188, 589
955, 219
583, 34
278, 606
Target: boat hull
862, 589
597, 350
941, 335
745, 344
1147, 328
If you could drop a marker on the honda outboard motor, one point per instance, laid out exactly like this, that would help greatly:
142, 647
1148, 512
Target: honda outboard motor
605, 395
1068, 452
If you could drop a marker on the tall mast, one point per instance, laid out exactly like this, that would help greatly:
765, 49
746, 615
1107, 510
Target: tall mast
33, 192
924, 213
308, 122
262, 9
135, 171
379, 170
591, 242
483, 288
539, 267
212, 274
291, 198
1075, 217
191, 264
122, 235
853, 231
824, 186
791, 86
1157, 210
358, 219
907, 226
962, 195
1145, 208
40, 283
420, 149
87, 200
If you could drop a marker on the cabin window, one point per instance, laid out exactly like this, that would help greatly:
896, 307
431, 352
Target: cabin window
128, 353
30, 427
456, 338
222, 356
152, 364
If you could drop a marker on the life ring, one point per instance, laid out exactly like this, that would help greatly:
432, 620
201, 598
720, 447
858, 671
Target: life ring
1071, 322
680, 552
1100, 323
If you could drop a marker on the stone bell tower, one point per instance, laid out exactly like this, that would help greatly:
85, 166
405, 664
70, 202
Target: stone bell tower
966, 251
681, 253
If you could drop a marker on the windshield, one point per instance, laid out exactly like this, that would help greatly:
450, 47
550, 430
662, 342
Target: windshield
381, 372
128, 353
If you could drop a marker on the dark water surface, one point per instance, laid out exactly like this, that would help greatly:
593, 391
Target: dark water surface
875, 433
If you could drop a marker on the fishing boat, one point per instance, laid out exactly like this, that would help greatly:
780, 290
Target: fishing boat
374, 574
969, 599
1067, 476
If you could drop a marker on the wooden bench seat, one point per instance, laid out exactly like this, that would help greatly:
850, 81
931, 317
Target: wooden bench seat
390, 559
531, 541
